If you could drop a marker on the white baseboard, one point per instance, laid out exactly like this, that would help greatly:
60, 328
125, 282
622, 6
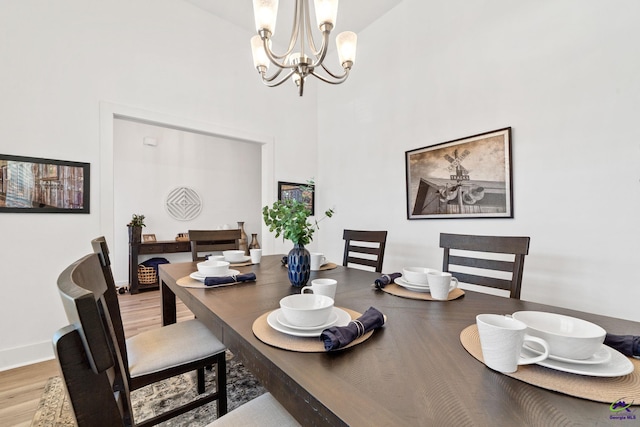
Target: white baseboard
21, 356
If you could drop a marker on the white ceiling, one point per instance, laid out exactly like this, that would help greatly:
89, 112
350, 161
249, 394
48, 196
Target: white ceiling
353, 15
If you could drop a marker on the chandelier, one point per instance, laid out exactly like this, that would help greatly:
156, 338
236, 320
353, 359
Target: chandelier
301, 58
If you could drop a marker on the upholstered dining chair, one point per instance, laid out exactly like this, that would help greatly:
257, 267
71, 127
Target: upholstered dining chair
478, 267
212, 241
164, 352
364, 248
92, 367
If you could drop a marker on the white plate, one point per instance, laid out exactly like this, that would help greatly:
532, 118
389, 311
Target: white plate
333, 318
601, 356
618, 366
414, 283
272, 320
200, 277
416, 288
244, 259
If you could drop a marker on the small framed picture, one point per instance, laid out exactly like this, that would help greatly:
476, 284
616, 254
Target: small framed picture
148, 237
301, 192
465, 178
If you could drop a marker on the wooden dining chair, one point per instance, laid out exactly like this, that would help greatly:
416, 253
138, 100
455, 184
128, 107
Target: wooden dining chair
212, 241
364, 248
89, 378
164, 352
93, 395
481, 269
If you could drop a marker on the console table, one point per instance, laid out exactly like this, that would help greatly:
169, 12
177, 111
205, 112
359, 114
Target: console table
148, 248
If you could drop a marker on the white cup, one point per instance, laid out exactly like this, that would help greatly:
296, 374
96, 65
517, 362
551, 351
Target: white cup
325, 287
501, 339
256, 255
215, 257
317, 260
440, 284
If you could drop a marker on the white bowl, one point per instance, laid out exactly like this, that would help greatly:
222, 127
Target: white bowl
233, 256
213, 268
567, 336
306, 310
416, 275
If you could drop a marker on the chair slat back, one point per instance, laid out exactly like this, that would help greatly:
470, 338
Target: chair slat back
110, 294
517, 247
91, 393
82, 288
212, 241
353, 246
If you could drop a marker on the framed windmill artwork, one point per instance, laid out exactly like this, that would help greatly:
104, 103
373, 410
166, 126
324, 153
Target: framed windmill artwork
465, 178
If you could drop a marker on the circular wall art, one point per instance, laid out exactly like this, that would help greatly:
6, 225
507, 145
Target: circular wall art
183, 203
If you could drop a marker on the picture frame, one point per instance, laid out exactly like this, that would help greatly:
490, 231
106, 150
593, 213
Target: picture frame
38, 185
469, 177
304, 193
149, 238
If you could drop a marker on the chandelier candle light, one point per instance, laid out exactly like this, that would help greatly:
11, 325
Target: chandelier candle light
301, 58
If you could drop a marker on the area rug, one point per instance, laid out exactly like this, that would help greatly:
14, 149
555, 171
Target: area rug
54, 410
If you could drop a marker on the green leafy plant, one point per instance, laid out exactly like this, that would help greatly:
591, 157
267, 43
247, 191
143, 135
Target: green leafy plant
289, 219
136, 221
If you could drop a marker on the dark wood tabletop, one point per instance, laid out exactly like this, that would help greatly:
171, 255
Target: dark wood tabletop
414, 371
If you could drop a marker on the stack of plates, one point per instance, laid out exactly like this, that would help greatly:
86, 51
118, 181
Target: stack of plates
200, 277
416, 287
606, 362
276, 320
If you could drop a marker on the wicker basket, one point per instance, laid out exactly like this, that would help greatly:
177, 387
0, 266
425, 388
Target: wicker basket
146, 275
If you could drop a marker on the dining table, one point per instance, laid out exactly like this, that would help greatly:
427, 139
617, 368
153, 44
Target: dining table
413, 371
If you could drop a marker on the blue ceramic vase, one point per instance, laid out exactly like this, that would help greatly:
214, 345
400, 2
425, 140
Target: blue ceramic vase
299, 265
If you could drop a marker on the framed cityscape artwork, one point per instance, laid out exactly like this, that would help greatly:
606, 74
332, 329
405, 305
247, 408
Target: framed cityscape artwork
465, 178
29, 184
301, 192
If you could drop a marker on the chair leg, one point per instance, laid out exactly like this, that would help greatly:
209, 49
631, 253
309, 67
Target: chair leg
200, 380
221, 381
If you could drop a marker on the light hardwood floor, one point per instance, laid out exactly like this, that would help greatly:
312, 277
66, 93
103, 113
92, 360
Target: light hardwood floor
21, 388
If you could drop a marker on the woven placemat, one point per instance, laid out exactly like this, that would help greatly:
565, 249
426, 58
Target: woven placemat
399, 291
188, 282
599, 389
328, 266
268, 335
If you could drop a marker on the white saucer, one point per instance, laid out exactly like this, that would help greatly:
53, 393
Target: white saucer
200, 277
272, 320
601, 356
416, 288
333, 318
618, 366
244, 259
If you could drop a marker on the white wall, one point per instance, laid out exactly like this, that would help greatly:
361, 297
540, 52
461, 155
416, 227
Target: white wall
563, 74
61, 62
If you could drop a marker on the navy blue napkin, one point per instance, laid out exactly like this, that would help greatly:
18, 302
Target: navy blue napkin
340, 336
224, 280
629, 345
385, 279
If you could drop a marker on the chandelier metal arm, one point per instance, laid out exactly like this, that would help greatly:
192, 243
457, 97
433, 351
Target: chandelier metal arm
323, 49
275, 58
263, 74
339, 79
268, 81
